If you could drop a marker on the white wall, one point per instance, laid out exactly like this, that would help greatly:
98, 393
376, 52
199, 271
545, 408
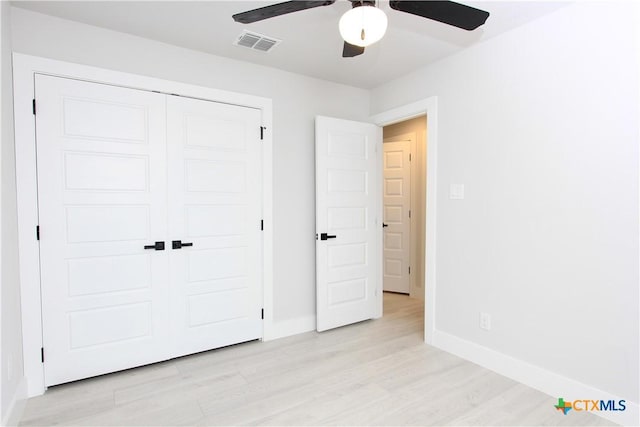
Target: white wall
296, 101
541, 125
11, 334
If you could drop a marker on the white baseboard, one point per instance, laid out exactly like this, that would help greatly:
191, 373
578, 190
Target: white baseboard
16, 407
535, 377
291, 327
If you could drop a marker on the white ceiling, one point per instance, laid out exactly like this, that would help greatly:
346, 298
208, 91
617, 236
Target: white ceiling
311, 43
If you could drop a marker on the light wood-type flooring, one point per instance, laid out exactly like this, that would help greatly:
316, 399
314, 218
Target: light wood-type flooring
378, 372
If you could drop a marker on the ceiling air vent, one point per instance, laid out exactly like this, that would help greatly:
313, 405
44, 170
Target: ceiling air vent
256, 41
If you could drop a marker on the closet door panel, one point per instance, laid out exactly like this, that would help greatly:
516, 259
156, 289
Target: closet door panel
215, 194
101, 153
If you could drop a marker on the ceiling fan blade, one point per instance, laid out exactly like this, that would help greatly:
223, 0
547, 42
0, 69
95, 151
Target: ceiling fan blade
278, 9
448, 12
350, 50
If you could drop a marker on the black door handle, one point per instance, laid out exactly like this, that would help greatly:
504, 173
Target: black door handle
325, 236
177, 244
158, 246
384, 225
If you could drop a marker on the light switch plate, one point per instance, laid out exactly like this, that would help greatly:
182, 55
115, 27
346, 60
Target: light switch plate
456, 191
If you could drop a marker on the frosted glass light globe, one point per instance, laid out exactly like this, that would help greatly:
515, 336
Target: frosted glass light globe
363, 25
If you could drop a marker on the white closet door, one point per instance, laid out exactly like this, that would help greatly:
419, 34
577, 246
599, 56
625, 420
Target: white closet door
215, 198
102, 197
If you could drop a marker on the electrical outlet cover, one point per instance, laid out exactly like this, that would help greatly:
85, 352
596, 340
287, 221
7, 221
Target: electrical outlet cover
485, 321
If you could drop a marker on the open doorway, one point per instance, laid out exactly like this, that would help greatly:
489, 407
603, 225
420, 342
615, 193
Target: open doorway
428, 108
358, 173
404, 193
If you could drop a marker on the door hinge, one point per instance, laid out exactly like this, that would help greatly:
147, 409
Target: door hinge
33, 106
42, 354
37, 232
409, 269
409, 156
262, 313
409, 213
262, 128
262, 225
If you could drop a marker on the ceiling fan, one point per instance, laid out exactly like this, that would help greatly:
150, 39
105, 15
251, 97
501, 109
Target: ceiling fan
365, 24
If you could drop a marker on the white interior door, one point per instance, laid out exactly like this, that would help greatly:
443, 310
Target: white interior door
348, 222
397, 218
102, 198
215, 195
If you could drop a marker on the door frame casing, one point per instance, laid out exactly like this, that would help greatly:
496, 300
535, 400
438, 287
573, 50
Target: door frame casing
24, 69
429, 108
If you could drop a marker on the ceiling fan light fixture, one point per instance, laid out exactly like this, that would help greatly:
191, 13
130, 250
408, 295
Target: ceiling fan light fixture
363, 25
